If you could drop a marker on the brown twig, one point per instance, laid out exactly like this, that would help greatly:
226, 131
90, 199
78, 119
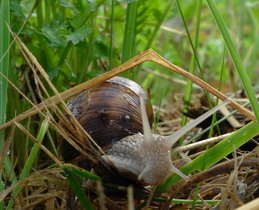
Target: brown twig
148, 55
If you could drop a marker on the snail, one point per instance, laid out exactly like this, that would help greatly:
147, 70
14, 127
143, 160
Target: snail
118, 115
108, 112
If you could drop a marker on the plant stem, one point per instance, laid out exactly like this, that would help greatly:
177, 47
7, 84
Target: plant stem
235, 57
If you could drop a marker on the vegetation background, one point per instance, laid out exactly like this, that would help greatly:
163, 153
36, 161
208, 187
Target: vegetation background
75, 41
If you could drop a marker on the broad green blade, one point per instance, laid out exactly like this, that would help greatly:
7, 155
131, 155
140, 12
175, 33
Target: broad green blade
214, 154
235, 57
4, 67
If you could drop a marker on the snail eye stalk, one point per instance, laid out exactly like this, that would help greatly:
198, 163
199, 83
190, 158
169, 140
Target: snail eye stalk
172, 139
148, 137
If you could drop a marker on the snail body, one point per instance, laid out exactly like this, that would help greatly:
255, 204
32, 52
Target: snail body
137, 154
147, 163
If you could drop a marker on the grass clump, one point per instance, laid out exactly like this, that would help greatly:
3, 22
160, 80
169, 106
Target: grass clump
62, 44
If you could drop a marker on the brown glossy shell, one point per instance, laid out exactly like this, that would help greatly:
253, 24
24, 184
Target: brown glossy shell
111, 111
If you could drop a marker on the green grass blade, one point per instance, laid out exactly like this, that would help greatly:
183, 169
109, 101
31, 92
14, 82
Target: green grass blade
194, 52
214, 117
158, 25
188, 90
235, 57
215, 153
76, 187
39, 11
179, 201
128, 50
195, 137
48, 10
4, 57
70, 171
4, 67
195, 202
81, 172
29, 162
111, 36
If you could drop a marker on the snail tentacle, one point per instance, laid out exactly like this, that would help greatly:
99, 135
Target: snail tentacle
177, 171
142, 174
148, 137
172, 139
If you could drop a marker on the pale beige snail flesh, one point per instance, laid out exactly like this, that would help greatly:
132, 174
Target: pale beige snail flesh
147, 157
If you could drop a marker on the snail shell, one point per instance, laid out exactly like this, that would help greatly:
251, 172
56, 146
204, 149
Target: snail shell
114, 113
111, 111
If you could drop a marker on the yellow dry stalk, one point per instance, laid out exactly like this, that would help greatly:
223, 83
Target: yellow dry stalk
148, 55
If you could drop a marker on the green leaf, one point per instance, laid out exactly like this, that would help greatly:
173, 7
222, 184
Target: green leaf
67, 4
78, 20
81, 172
54, 36
30, 160
78, 35
126, 1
